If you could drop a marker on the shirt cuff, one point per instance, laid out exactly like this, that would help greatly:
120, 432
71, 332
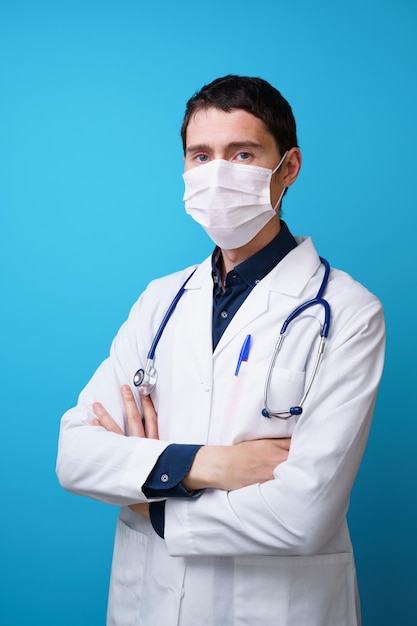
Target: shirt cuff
165, 479
171, 468
157, 517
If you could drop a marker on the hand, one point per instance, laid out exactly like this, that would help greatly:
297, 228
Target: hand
146, 427
141, 508
234, 467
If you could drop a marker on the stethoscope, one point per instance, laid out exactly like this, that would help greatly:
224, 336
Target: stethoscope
145, 378
318, 300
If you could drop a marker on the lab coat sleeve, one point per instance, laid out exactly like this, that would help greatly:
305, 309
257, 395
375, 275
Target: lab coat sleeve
101, 464
302, 509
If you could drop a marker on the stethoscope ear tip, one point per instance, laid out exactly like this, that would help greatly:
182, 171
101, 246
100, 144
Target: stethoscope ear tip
265, 413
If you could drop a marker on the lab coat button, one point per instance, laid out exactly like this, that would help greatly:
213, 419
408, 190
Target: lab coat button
224, 314
164, 478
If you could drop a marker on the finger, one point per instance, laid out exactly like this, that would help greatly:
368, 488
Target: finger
104, 419
150, 418
134, 418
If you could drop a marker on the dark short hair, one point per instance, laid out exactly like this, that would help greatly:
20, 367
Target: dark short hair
253, 95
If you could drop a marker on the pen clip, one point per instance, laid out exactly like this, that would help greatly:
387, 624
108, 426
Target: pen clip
244, 353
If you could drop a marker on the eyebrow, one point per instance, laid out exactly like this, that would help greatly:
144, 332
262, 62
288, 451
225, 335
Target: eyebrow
202, 147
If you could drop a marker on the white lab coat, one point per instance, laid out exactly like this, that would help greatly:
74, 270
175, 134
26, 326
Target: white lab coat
276, 554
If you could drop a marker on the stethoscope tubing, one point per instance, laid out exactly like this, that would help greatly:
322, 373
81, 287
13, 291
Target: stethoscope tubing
145, 378
165, 320
318, 300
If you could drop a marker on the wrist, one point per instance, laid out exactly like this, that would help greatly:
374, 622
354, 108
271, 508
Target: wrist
207, 469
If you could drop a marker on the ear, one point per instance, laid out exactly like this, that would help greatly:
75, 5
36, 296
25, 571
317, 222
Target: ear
292, 166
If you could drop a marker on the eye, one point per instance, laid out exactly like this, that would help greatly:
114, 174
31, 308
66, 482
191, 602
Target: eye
201, 158
243, 156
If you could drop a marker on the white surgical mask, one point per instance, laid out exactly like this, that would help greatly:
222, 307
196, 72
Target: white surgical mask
231, 201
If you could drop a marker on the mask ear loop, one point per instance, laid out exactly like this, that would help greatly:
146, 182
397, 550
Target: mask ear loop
279, 199
279, 164
274, 172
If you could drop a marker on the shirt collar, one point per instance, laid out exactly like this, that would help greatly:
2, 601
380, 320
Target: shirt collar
262, 262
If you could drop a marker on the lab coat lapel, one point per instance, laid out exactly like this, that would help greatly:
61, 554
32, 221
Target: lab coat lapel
288, 278
196, 320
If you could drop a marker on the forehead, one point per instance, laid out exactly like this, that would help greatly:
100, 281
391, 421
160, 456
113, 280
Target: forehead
214, 126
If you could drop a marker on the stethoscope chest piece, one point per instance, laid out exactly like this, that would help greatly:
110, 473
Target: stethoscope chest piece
146, 378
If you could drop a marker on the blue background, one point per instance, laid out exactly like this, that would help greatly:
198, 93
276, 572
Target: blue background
92, 95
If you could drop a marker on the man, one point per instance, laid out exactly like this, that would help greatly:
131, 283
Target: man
223, 522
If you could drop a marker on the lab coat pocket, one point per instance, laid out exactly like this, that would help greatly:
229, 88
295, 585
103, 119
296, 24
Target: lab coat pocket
242, 418
285, 389
127, 575
304, 590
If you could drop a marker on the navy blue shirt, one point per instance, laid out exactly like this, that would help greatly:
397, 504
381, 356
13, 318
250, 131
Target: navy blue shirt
175, 462
239, 282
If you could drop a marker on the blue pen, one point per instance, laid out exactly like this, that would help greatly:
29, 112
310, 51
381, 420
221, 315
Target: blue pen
244, 354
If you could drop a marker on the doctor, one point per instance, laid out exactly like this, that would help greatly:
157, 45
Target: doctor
229, 517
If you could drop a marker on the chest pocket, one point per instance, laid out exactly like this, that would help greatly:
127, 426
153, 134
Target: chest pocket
285, 389
243, 403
